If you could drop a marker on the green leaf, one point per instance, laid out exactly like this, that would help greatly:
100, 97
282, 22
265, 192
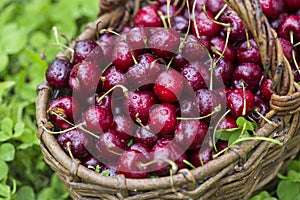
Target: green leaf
294, 165
233, 138
19, 129
6, 129
25, 193
7, 152
4, 59
4, 190
249, 125
225, 134
5, 86
287, 190
4, 169
13, 38
264, 195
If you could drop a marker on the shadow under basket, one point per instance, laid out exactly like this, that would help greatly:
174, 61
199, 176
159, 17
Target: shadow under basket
233, 175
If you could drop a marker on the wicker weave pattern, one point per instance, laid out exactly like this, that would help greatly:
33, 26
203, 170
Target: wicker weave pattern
230, 176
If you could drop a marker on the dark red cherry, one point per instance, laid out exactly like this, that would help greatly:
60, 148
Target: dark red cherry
205, 26
194, 50
288, 48
84, 79
78, 142
141, 148
162, 119
64, 108
110, 146
236, 102
136, 38
178, 62
123, 126
201, 156
272, 8
223, 71
139, 103
276, 22
214, 6
145, 136
261, 106
265, 89
247, 74
87, 50
221, 145
292, 5
179, 24
122, 56
129, 165
148, 17
98, 119
164, 42
168, 86
90, 161
111, 77
58, 73
227, 123
107, 42
188, 108
248, 52
105, 102
197, 75
143, 73
189, 134
237, 28
290, 24
166, 149
171, 9
111, 168
208, 101
219, 43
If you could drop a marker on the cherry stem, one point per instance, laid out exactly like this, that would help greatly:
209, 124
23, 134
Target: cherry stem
214, 21
163, 20
266, 119
247, 39
297, 44
174, 166
125, 92
168, 13
221, 11
138, 120
188, 28
195, 21
188, 164
244, 94
216, 109
295, 61
79, 127
63, 131
69, 150
226, 44
43, 56
215, 129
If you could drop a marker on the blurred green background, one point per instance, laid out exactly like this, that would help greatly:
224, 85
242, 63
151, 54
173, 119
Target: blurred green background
26, 28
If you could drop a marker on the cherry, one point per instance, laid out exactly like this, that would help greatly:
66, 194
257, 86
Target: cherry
97, 119
168, 86
236, 102
291, 24
265, 89
196, 74
248, 52
208, 101
129, 165
259, 106
143, 73
123, 126
107, 43
62, 109
237, 28
188, 108
194, 50
219, 43
296, 72
148, 16
201, 156
78, 141
178, 62
166, 149
288, 48
189, 134
221, 145
198, 7
205, 26
110, 146
276, 22
90, 161
87, 50
292, 5
112, 168
227, 123
247, 74
58, 73
179, 24
112, 76
105, 102
162, 119
171, 9
223, 71
141, 148
139, 104
84, 79
272, 8
164, 42
145, 136
214, 6
136, 37
122, 56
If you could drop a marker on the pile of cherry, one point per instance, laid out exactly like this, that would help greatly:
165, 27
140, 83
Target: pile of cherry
145, 102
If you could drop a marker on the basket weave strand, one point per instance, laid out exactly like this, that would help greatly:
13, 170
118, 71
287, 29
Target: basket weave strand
230, 176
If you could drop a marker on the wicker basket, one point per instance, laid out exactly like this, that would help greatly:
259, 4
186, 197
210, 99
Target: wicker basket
230, 176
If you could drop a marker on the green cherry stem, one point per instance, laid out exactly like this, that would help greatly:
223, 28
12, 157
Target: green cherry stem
216, 110
125, 91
